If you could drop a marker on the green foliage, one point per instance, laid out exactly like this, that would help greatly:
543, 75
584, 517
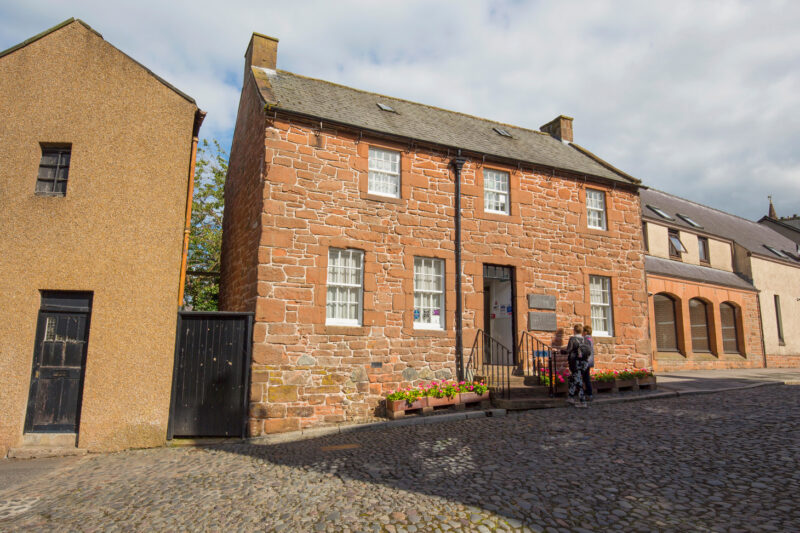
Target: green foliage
205, 240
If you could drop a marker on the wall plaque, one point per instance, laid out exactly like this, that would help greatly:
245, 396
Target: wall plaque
541, 321
541, 301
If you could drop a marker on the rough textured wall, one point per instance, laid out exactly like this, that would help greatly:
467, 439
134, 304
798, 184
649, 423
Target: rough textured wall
749, 328
772, 278
118, 232
306, 372
241, 226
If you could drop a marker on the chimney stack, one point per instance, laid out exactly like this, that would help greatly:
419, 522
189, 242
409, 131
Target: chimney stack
261, 52
560, 128
771, 213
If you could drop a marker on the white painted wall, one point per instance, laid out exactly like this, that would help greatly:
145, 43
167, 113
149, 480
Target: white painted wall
771, 278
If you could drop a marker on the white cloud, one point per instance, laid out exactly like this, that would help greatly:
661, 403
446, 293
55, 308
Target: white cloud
696, 98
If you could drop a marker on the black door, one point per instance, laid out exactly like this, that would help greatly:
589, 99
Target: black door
210, 379
59, 358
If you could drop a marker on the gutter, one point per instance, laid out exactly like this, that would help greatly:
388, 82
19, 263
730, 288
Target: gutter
199, 115
458, 164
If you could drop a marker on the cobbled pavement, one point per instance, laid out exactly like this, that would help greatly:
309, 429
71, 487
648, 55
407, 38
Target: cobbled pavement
722, 462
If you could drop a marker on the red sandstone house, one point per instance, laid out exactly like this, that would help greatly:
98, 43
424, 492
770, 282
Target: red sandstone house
340, 233
723, 290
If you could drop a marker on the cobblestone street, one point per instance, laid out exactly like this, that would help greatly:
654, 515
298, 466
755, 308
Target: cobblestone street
721, 462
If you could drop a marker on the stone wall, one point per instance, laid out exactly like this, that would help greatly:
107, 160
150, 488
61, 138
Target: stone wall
307, 373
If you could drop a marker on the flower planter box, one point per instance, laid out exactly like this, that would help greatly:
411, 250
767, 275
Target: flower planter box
625, 384
648, 383
438, 402
465, 398
562, 388
602, 386
397, 408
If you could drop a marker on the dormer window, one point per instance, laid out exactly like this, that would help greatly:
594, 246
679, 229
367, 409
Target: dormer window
776, 252
659, 212
689, 221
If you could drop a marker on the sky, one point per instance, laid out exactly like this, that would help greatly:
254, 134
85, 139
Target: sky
696, 98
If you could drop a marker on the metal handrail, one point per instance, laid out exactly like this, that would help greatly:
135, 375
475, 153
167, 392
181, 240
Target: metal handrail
538, 359
492, 361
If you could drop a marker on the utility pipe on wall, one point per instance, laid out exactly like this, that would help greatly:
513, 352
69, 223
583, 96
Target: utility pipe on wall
198, 120
458, 164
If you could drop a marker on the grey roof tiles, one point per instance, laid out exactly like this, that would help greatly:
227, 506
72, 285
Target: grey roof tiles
344, 105
747, 233
677, 269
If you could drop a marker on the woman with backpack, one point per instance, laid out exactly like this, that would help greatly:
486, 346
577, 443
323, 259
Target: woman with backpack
587, 378
577, 351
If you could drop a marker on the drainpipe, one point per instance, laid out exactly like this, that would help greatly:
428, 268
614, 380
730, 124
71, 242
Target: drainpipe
458, 163
198, 120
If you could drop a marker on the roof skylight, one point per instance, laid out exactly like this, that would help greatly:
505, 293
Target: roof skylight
689, 220
385, 107
776, 252
503, 132
659, 212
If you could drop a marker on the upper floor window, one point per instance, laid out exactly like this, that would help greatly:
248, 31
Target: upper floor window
495, 191
53, 171
384, 172
676, 247
702, 249
345, 287
600, 297
428, 293
596, 209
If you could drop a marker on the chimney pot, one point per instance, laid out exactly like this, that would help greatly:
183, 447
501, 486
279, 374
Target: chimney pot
261, 52
560, 128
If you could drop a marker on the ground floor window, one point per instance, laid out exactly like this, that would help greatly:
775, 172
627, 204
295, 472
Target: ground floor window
730, 336
345, 287
600, 294
666, 332
698, 315
428, 293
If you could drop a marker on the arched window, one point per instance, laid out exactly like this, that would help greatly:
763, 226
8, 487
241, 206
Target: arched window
729, 316
698, 316
666, 332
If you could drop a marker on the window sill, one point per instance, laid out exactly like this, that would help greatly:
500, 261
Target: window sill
603, 339
499, 217
333, 329
674, 356
50, 194
413, 332
382, 199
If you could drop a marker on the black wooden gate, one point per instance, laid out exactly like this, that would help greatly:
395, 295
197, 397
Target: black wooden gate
59, 360
211, 376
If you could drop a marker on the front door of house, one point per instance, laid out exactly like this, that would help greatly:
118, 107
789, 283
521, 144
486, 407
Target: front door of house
59, 358
499, 314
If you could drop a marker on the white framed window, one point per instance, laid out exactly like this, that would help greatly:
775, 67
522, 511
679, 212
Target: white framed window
596, 210
384, 173
495, 191
600, 295
345, 287
428, 293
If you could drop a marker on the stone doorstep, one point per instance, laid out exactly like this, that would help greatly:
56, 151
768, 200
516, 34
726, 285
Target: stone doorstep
49, 440
38, 452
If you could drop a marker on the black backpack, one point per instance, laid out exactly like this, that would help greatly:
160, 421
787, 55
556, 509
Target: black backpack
584, 350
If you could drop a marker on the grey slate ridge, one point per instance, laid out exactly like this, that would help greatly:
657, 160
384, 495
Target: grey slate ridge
344, 105
677, 269
747, 233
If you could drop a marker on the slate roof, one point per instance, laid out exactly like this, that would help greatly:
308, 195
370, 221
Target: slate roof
747, 233
677, 269
69, 21
352, 107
